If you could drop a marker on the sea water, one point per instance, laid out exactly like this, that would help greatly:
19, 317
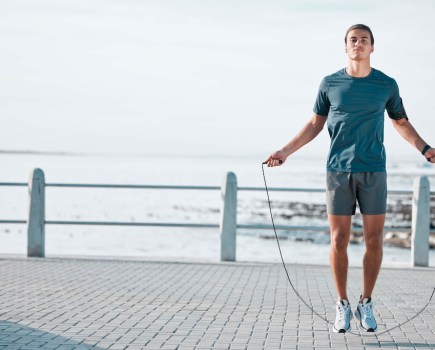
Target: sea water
188, 206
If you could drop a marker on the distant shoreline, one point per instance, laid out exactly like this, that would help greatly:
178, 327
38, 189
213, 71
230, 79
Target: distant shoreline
42, 153
114, 154
392, 163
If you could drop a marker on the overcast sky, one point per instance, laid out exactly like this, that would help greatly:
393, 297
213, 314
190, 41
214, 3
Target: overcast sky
223, 77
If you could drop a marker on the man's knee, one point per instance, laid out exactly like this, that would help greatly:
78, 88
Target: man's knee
339, 241
374, 241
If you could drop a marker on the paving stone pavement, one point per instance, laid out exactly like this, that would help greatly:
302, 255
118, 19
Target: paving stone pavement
56, 303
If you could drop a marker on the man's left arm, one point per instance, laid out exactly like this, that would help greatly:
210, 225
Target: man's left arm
407, 131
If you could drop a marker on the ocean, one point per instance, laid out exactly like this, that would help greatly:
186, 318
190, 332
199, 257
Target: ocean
190, 206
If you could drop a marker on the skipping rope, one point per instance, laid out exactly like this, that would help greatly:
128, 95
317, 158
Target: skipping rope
310, 307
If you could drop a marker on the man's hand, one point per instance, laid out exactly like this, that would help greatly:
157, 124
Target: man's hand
430, 155
278, 158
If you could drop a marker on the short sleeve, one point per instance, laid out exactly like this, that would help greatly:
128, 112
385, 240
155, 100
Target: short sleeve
394, 105
322, 104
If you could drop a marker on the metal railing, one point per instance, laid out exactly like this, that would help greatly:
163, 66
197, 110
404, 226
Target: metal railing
228, 221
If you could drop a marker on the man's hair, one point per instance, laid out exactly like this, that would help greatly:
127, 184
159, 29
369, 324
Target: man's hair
363, 27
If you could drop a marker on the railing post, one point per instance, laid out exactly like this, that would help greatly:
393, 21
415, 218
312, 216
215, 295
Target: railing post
228, 224
36, 218
420, 222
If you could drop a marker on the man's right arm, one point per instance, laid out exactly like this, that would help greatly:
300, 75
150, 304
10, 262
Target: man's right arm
307, 134
407, 131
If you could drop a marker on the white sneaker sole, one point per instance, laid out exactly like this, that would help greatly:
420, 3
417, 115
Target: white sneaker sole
342, 330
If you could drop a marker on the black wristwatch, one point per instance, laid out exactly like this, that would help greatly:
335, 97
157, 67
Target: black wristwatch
424, 150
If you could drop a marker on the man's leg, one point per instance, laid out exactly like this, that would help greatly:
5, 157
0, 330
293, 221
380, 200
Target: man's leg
373, 232
373, 236
340, 233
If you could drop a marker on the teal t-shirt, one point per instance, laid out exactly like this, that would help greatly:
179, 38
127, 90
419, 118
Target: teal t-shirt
355, 110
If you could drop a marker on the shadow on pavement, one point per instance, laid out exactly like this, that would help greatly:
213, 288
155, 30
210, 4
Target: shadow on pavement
384, 344
16, 335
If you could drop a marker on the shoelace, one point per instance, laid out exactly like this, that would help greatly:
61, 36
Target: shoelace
368, 310
342, 310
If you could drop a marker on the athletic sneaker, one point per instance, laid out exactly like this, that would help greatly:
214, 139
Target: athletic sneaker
364, 313
342, 317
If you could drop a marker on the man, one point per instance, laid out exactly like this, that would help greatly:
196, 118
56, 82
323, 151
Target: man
352, 101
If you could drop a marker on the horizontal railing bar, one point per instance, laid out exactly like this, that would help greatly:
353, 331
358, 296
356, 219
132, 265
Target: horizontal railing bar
200, 225
312, 190
316, 228
175, 187
281, 189
13, 222
160, 187
11, 184
284, 227
120, 223
402, 192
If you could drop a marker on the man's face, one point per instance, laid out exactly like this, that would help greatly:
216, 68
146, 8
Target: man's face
358, 45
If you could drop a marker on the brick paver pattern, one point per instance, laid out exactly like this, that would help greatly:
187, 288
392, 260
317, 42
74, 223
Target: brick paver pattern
55, 303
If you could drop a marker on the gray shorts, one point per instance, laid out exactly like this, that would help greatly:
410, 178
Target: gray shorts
343, 190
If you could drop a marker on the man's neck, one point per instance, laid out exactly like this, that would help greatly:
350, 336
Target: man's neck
358, 69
